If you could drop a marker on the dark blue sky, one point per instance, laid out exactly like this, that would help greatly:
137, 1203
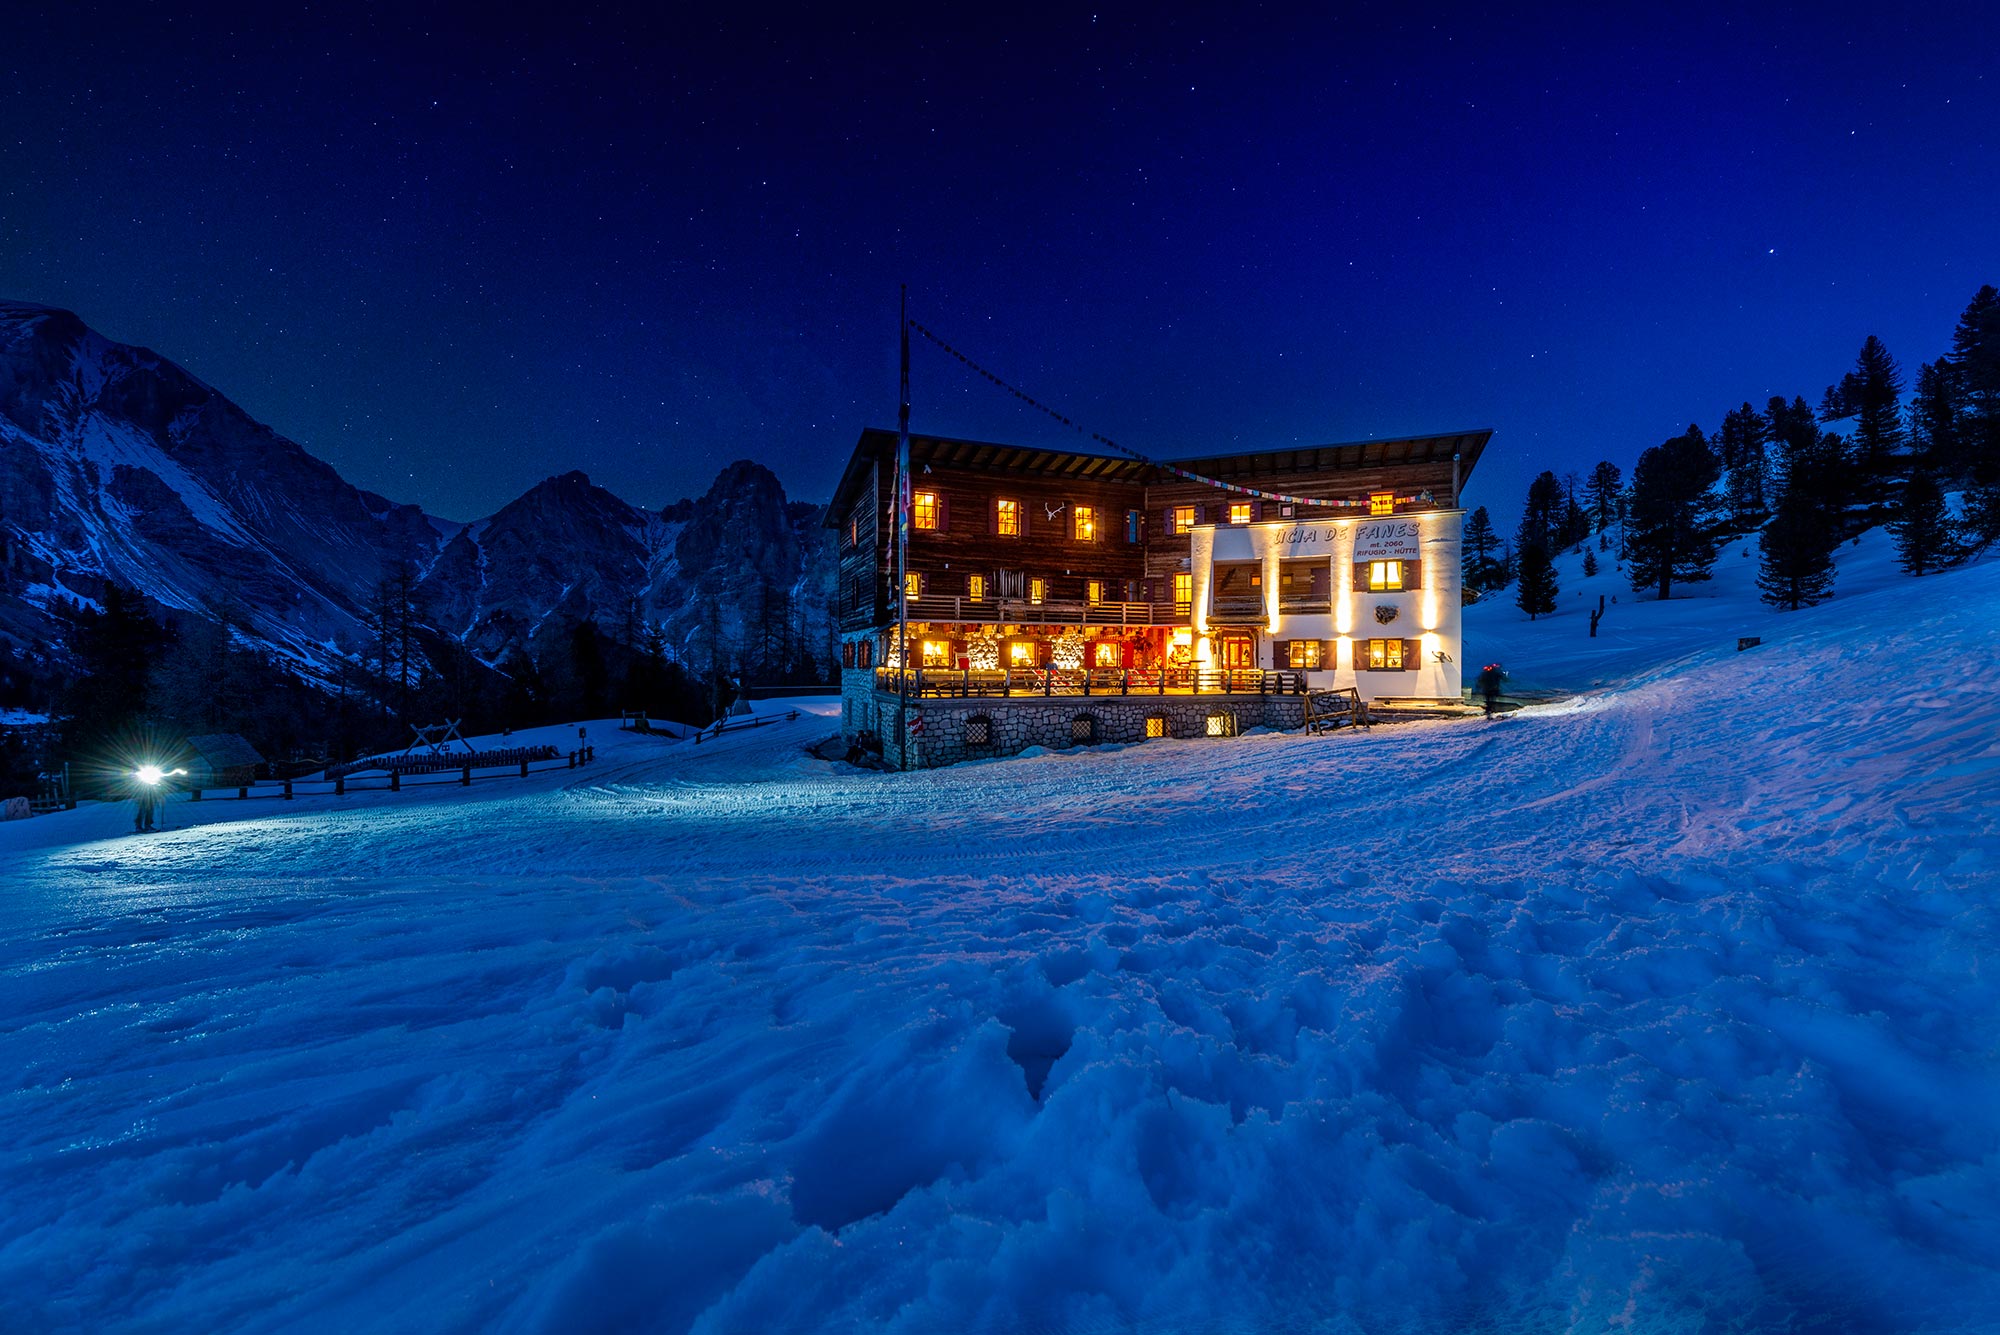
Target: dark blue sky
454, 256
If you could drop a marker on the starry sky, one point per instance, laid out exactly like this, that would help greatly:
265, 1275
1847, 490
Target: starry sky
456, 252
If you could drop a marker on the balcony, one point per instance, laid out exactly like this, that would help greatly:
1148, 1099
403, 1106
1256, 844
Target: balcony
953, 608
961, 683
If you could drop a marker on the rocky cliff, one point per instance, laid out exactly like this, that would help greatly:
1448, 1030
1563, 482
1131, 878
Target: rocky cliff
117, 465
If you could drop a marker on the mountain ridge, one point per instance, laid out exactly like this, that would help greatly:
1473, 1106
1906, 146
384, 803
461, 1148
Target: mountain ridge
117, 464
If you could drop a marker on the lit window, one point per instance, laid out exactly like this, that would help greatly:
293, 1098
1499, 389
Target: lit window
913, 585
1385, 654
1086, 522
937, 653
1384, 575
1220, 725
1239, 512
1093, 591
1183, 518
1305, 653
854, 530
1021, 653
1007, 518
924, 511
1038, 589
1156, 725
1183, 588
1381, 503
1108, 653
975, 587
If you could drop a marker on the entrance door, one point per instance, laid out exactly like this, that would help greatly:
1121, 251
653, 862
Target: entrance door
1237, 652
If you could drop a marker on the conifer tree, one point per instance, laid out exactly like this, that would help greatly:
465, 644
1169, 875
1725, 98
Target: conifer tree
1589, 564
1937, 420
1975, 360
1870, 394
1542, 516
1795, 568
1672, 529
1812, 462
1482, 569
1740, 443
1922, 527
1601, 494
1538, 589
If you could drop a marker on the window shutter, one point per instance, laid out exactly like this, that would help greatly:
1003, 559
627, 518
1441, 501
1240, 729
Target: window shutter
1201, 514
1256, 510
1413, 574
1361, 577
1281, 653
943, 512
1413, 655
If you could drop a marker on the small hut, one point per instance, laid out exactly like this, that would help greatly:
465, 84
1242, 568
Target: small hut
221, 760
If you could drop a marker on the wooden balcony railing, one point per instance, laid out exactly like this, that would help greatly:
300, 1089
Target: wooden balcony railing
960, 683
1048, 612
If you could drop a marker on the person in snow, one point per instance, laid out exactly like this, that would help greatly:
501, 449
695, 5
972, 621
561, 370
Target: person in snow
1490, 678
145, 802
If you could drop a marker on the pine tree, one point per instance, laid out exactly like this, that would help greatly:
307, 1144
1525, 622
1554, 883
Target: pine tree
1922, 527
1870, 394
1796, 555
1600, 495
1741, 443
1538, 589
1542, 516
1975, 360
1482, 569
1937, 415
1589, 564
1673, 535
1816, 464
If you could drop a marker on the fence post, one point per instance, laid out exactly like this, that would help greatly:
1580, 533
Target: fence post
524, 767
340, 785
243, 792
395, 781
572, 755
288, 790
1049, 679
465, 776
194, 794
1125, 682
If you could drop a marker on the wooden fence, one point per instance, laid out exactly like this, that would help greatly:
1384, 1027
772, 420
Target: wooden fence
394, 780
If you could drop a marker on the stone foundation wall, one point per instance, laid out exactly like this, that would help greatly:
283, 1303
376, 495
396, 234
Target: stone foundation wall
1019, 722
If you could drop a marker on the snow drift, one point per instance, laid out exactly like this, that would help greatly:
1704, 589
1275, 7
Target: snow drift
1667, 1008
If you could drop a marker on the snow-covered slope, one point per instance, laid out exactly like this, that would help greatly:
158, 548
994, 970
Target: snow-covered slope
1665, 1008
1556, 652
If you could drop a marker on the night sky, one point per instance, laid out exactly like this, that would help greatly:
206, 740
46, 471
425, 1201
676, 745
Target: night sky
454, 256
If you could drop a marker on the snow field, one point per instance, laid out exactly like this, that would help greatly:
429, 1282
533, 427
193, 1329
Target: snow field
1666, 1008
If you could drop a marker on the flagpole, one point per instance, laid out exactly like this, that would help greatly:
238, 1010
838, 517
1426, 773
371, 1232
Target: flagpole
903, 540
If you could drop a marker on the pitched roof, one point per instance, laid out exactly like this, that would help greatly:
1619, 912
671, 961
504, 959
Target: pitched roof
878, 442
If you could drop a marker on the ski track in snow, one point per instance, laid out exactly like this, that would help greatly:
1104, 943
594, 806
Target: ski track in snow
1663, 1008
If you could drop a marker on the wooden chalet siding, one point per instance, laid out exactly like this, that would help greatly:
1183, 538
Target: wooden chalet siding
965, 542
862, 579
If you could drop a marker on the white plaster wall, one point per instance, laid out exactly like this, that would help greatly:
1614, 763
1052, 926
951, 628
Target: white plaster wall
1432, 614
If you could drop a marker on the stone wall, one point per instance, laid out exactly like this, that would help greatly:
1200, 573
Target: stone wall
1019, 722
